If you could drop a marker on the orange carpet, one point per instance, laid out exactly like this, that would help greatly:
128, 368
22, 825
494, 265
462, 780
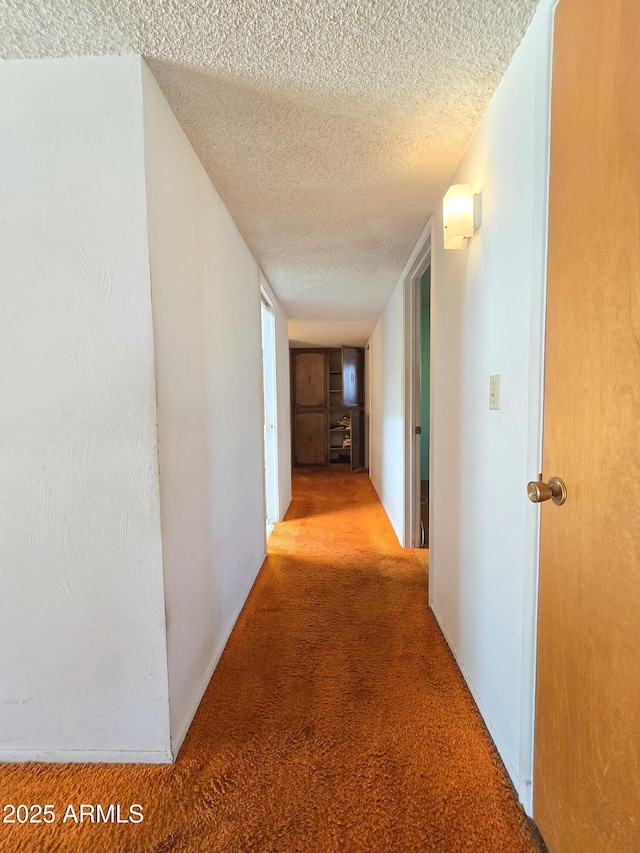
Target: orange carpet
336, 720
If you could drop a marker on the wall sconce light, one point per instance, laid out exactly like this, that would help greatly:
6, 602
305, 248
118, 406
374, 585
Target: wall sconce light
461, 215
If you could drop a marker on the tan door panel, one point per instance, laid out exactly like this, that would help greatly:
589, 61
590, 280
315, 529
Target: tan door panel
587, 736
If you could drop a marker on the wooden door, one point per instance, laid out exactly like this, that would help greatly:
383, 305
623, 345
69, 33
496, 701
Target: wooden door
587, 736
352, 384
310, 378
310, 438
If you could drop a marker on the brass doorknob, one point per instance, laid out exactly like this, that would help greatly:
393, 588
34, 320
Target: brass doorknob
555, 489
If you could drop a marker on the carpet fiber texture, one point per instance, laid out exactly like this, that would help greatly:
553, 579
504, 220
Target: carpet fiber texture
336, 720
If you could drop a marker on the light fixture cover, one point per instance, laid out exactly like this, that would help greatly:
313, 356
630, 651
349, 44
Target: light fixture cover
457, 212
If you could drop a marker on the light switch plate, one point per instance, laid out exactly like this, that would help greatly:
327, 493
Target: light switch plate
494, 391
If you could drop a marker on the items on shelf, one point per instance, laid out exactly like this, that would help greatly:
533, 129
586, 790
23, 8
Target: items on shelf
343, 423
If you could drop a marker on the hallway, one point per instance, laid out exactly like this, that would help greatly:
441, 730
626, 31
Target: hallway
335, 721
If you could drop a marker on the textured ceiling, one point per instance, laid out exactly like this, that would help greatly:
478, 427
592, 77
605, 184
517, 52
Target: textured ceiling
329, 127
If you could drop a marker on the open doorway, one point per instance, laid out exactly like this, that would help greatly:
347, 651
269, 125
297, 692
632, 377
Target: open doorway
417, 391
269, 412
424, 307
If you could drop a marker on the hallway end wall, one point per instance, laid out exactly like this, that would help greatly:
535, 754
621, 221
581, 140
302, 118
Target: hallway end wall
488, 319
208, 354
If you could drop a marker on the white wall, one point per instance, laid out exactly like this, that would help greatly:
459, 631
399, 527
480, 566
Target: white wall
83, 666
488, 304
207, 329
387, 425
114, 508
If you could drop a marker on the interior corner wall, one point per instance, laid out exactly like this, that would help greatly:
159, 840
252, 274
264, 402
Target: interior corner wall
488, 302
207, 332
83, 668
387, 429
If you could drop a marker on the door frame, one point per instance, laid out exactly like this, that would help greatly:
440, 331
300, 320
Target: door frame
416, 267
269, 411
537, 327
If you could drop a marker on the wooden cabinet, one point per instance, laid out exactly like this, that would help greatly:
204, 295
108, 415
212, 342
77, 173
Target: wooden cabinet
329, 382
310, 436
309, 378
309, 397
346, 439
357, 439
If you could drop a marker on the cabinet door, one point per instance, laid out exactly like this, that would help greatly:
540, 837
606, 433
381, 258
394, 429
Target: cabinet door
352, 384
310, 378
357, 439
310, 431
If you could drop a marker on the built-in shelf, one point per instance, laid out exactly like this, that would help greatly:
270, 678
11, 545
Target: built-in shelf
319, 399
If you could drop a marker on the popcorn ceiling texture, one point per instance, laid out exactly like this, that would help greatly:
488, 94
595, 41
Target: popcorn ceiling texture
328, 333
330, 129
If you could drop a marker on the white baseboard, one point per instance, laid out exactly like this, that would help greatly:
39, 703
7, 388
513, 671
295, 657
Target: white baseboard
399, 537
286, 509
495, 736
88, 756
116, 756
178, 739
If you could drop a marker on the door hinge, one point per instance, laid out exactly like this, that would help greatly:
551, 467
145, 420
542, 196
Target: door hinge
418, 430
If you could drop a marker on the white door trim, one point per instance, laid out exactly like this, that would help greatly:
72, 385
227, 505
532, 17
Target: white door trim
270, 409
535, 433
413, 271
